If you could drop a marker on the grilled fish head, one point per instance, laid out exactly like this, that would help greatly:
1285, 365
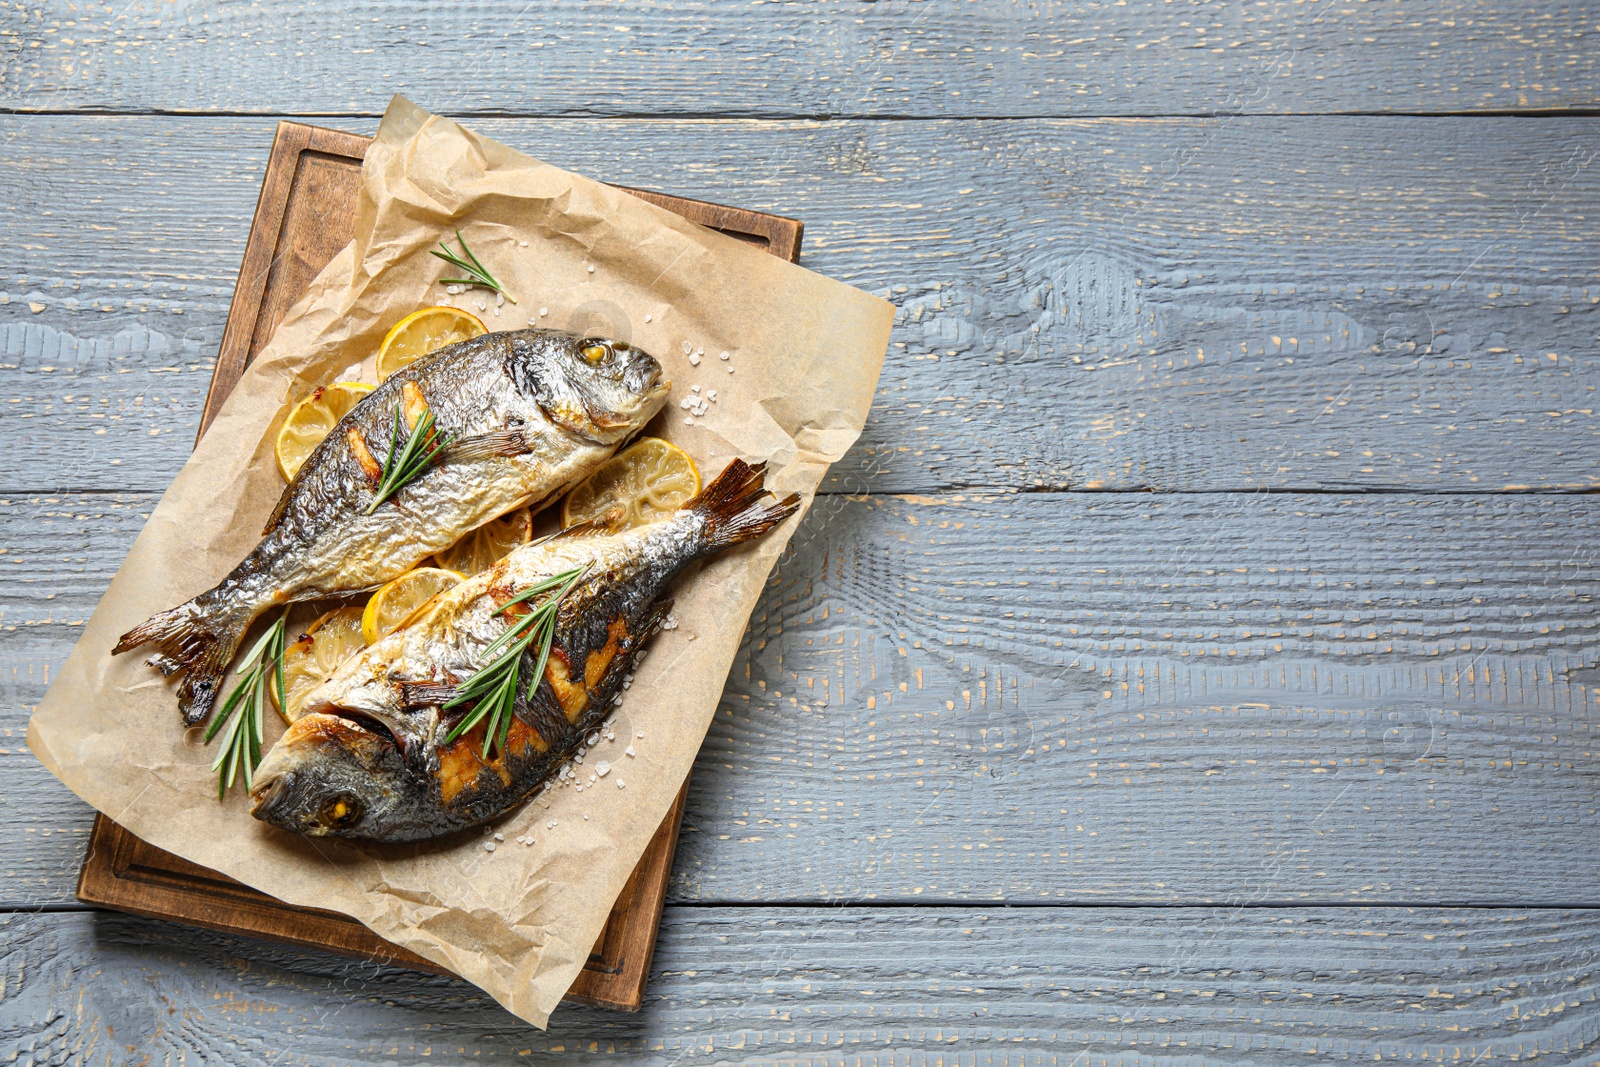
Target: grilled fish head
601, 389
329, 776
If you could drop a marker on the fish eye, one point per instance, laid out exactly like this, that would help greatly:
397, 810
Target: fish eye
597, 353
343, 810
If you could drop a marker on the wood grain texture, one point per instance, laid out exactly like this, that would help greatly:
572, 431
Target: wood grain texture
819, 58
1171, 305
1327, 699
1091, 987
1076, 697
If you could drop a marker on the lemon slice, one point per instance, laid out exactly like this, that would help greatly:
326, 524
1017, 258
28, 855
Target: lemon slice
422, 332
485, 546
310, 659
311, 420
648, 480
394, 604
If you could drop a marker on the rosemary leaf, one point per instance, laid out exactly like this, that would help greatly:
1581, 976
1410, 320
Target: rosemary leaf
409, 456
243, 734
476, 273
493, 687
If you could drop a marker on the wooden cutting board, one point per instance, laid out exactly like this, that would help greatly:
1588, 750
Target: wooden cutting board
305, 215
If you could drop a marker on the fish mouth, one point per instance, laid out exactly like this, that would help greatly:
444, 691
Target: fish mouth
266, 795
644, 379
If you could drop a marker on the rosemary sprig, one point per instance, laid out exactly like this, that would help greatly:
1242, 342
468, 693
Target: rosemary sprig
494, 685
408, 457
476, 273
241, 740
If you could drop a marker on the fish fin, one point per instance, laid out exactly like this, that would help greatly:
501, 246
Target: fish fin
196, 642
427, 694
651, 626
733, 508
605, 524
511, 441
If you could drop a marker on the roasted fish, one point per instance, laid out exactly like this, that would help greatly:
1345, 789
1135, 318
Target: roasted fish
371, 759
508, 418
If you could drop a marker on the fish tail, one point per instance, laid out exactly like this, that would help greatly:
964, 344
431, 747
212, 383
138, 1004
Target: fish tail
197, 638
734, 509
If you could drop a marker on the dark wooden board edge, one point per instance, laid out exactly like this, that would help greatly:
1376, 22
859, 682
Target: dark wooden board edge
124, 873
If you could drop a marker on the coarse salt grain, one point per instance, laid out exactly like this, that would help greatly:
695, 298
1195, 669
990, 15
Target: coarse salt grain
694, 361
551, 825
730, 368
621, 784
497, 312
522, 244
647, 318
629, 752
544, 311
591, 268
639, 734
602, 768
688, 421
488, 846
453, 290
499, 837
687, 348
499, 299
724, 355
585, 816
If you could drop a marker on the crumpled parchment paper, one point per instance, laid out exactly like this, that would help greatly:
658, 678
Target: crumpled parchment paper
806, 353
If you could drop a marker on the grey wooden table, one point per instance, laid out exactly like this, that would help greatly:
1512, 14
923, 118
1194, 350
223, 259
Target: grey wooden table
1195, 662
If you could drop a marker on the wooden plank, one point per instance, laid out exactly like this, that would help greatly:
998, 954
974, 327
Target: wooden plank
850, 986
1106, 698
896, 58
1181, 305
